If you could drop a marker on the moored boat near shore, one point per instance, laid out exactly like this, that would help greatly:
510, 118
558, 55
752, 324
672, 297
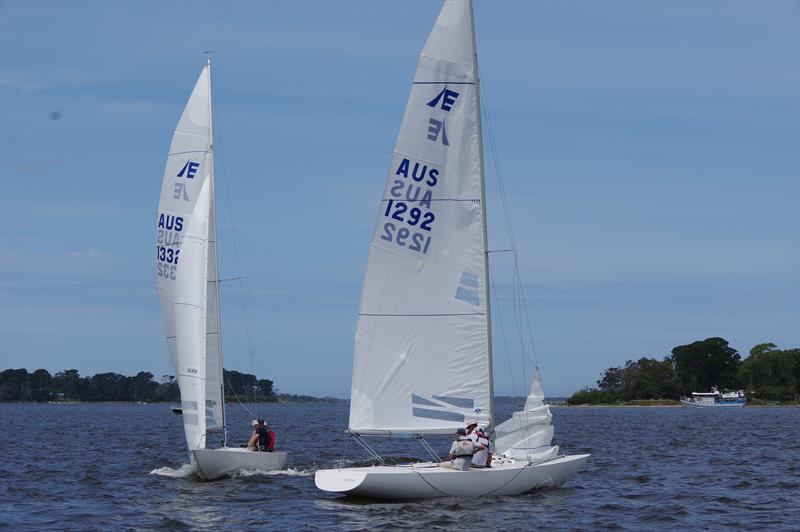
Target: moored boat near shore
715, 398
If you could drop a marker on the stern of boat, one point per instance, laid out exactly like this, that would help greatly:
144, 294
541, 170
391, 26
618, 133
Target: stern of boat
339, 480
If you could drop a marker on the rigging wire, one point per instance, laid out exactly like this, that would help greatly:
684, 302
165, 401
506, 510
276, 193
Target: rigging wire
522, 320
243, 290
499, 315
520, 306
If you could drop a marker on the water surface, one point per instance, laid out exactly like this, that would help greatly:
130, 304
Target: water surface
111, 465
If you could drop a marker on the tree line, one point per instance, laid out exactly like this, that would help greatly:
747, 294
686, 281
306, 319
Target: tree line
68, 385
768, 373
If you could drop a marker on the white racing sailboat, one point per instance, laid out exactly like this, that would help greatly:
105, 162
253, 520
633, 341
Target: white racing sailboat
188, 286
423, 360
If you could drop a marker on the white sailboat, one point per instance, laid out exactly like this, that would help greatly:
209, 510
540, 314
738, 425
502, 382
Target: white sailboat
422, 362
188, 286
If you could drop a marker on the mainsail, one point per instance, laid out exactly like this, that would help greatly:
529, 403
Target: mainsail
186, 266
422, 360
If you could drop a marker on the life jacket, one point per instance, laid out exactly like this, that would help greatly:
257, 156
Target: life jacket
464, 448
266, 439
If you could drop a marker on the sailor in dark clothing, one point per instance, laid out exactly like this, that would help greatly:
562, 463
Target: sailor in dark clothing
262, 439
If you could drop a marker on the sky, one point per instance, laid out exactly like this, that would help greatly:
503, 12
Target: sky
650, 152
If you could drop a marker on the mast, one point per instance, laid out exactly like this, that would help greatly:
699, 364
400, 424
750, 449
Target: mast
483, 214
215, 281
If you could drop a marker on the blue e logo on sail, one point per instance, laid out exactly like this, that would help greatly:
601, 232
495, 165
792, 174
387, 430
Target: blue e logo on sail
189, 170
444, 101
446, 98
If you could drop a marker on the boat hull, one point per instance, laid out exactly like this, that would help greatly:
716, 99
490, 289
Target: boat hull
423, 481
212, 464
714, 405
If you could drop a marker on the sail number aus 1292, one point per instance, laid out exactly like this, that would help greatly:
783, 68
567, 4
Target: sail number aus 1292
399, 211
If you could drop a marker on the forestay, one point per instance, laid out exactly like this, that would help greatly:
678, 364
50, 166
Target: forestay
422, 362
186, 262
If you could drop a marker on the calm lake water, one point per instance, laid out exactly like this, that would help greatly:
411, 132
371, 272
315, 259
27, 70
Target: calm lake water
108, 465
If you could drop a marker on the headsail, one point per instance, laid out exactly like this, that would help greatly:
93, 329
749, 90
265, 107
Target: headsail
422, 360
182, 255
527, 435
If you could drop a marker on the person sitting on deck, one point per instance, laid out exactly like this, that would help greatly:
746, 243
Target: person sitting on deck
251, 443
263, 438
461, 452
482, 458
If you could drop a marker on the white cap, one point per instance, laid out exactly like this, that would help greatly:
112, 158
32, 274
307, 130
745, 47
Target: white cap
471, 422
254, 423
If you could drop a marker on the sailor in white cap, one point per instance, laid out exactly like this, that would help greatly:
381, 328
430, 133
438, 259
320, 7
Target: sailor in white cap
479, 438
251, 444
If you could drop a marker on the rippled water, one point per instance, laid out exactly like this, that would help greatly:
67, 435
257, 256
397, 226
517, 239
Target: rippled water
103, 466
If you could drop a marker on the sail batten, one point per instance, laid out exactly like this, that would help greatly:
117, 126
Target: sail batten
421, 361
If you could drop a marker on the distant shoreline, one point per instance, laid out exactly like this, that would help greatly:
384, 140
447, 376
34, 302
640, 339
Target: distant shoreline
793, 404
318, 400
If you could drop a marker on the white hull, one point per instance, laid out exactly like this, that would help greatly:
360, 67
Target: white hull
712, 405
212, 464
423, 481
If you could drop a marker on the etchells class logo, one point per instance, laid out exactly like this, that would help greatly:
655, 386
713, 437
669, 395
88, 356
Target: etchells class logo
444, 101
189, 170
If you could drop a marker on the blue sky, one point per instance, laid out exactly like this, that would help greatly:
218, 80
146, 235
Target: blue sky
651, 152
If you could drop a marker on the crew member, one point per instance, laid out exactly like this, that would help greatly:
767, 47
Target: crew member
461, 451
482, 458
253, 441
476, 434
263, 438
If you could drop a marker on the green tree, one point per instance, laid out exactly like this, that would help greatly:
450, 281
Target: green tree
771, 373
40, 382
67, 382
15, 385
706, 363
265, 388
646, 378
105, 387
143, 387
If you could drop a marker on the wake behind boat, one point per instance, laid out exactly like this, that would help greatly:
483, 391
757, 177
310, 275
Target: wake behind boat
423, 353
188, 286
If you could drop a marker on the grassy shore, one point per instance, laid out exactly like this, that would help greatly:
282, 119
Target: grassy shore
637, 402
672, 403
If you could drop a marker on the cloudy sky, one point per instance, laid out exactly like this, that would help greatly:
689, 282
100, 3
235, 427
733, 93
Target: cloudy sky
650, 150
